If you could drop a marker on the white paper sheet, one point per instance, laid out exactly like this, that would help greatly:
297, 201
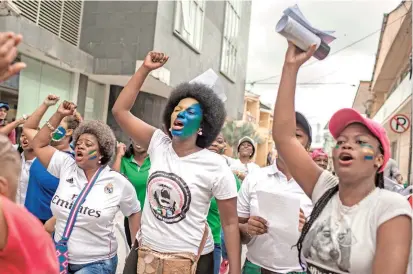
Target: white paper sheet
297, 29
297, 33
282, 211
295, 13
211, 79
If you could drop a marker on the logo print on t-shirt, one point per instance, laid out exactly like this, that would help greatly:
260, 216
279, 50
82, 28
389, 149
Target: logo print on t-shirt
169, 197
328, 244
70, 180
109, 188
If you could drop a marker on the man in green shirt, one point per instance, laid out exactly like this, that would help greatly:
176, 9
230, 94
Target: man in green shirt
134, 164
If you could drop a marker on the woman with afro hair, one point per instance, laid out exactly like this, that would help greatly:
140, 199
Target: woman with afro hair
183, 178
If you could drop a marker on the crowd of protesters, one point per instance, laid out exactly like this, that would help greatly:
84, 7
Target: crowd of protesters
189, 208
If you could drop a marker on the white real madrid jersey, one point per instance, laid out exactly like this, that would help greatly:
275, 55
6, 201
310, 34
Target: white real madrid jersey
93, 237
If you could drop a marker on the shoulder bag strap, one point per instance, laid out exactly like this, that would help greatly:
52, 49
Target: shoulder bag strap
76, 206
203, 242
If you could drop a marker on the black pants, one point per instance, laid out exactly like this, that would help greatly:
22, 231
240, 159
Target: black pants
205, 263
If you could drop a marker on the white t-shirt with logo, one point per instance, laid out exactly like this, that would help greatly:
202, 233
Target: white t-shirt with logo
178, 196
343, 239
93, 236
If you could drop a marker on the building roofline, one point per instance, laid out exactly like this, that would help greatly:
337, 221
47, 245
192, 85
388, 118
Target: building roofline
383, 27
264, 106
266, 111
399, 5
358, 88
250, 94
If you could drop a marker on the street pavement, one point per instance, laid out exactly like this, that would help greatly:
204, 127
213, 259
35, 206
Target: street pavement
123, 248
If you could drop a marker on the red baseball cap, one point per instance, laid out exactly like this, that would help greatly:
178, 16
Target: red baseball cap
346, 116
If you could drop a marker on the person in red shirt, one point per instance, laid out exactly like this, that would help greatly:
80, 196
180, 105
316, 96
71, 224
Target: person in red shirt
22, 250
25, 246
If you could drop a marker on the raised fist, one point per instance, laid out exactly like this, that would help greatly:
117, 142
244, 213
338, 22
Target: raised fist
296, 57
66, 108
154, 60
120, 149
8, 53
22, 120
51, 100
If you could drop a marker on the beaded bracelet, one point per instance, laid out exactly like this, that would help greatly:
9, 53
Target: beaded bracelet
50, 126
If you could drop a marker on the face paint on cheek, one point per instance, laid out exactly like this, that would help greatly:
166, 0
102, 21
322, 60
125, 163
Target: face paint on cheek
191, 122
58, 134
337, 146
368, 151
93, 155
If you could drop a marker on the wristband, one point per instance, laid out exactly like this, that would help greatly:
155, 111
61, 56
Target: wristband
51, 128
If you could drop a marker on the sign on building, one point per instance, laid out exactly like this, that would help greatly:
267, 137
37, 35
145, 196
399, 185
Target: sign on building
400, 123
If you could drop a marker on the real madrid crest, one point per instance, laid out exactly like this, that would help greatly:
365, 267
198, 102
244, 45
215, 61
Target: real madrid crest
109, 188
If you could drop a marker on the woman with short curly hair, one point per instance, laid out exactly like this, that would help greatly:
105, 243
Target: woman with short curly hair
183, 178
92, 244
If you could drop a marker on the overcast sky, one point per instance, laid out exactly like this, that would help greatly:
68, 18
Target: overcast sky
352, 20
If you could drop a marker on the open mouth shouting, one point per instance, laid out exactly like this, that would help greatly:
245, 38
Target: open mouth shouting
25, 144
79, 156
345, 159
177, 125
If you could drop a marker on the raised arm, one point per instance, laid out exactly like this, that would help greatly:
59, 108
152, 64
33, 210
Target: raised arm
40, 144
120, 152
130, 124
302, 167
7, 129
32, 123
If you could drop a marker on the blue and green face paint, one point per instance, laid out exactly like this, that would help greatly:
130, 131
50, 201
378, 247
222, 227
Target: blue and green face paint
368, 151
59, 134
191, 121
93, 155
